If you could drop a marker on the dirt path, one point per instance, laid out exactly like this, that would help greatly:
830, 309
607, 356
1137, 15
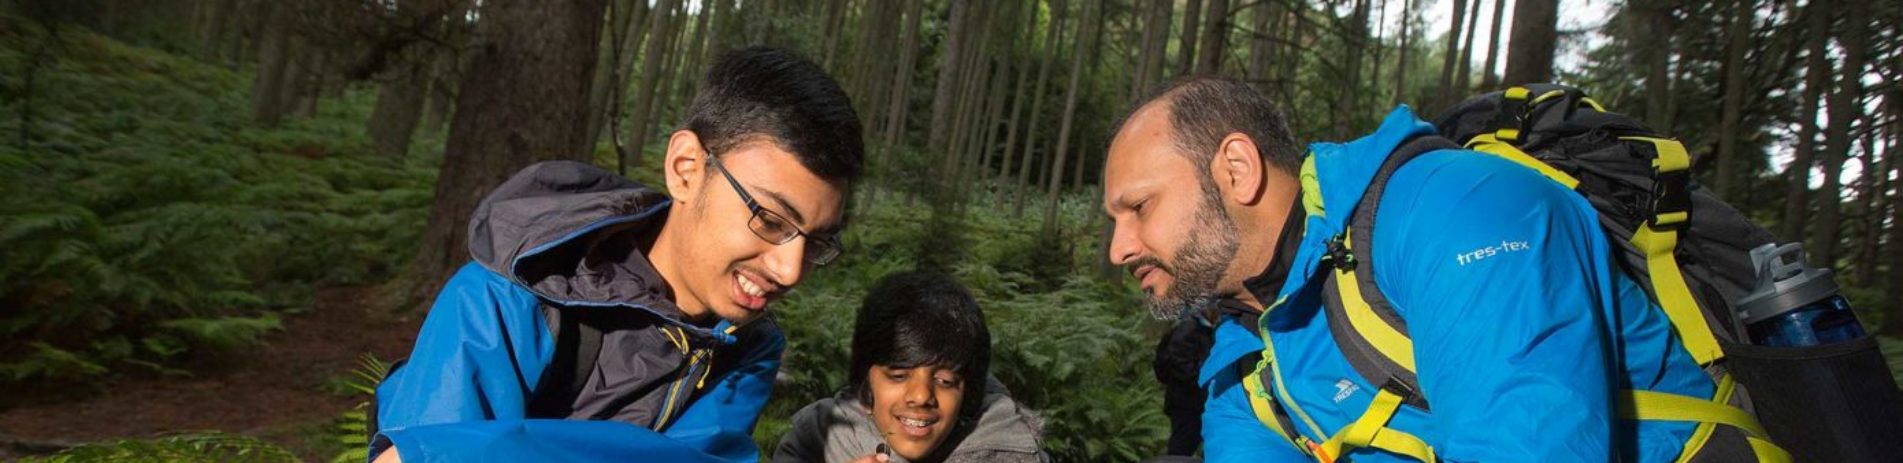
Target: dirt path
275, 392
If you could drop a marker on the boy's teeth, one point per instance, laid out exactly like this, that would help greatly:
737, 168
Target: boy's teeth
750, 288
915, 423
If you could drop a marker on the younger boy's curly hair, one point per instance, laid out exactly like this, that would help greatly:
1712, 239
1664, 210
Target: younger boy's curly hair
921, 318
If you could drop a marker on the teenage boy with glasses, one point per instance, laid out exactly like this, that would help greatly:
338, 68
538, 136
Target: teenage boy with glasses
668, 292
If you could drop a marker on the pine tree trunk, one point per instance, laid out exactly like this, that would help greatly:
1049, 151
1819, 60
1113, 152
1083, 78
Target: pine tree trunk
651, 60
1155, 46
1535, 33
1215, 38
1816, 81
1373, 83
309, 88
1344, 110
1450, 61
1261, 48
446, 75
1489, 80
871, 68
1653, 24
689, 85
1400, 66
1463, 76
274, 64
970, 84
944, 90
621, 14
671, 73
1732, 113
897, 100
1186, 56
836, 12
1003, 86
400, 97
217, 27
1844, 107
896, 114
525, 100
1052, 37
1059, 155
1893, 325
1870, 199
1018, 97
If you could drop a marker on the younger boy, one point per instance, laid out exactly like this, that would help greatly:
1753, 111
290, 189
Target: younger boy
919, 389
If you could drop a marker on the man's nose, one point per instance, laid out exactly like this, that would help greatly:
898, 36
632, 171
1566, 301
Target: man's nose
1124, 245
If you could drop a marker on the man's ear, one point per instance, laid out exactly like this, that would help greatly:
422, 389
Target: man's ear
1238, 170
684, 165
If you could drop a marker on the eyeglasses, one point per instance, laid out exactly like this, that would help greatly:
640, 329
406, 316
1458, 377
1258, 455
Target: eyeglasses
775, 228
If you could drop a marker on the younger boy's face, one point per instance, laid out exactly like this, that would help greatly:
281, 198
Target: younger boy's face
915, 408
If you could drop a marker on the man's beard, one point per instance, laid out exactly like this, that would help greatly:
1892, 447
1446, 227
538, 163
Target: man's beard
1200, 263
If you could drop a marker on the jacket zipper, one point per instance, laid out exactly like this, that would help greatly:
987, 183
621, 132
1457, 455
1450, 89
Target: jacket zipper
674, 400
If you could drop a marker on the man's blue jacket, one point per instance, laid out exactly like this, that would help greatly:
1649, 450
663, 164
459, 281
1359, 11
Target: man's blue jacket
1524, 329
562, 239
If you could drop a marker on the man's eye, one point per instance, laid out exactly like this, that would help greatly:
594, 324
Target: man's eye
896, 376
949, 381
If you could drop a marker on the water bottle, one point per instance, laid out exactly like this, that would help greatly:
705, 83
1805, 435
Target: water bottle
1795, 304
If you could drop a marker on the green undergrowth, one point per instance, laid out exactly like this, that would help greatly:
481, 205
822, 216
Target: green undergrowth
146, 219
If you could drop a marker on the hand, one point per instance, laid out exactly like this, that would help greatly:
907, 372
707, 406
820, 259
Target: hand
388, 456
873, 458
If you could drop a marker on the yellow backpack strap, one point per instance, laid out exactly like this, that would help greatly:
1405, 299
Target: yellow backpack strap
1709, 414
1371, 431
1492, 143
1657, 237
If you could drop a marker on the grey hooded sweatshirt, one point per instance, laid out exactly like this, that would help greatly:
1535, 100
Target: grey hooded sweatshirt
840, 429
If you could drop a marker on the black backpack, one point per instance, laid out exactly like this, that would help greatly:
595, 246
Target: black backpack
1687, 248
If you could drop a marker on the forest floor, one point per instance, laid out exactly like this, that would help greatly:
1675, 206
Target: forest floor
286, 392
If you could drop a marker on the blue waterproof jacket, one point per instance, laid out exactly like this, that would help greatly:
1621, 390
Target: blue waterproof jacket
560, 239
1523, 326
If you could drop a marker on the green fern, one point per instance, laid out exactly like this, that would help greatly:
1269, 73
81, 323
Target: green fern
149, 210
183, 448
351, 433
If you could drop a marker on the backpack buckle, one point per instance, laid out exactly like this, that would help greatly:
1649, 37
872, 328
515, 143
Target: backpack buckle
1338, 255
1671, 203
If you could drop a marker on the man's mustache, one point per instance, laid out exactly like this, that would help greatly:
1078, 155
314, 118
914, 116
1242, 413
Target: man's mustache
1131, 268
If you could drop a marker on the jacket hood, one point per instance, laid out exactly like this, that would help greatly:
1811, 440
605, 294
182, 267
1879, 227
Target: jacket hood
572, 234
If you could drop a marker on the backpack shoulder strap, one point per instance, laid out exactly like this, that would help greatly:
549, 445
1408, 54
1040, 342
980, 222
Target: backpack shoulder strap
1364, 324
577, 344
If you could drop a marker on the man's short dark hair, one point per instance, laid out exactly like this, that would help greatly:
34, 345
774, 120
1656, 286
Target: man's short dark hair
759, 92
1204, 108
919, 318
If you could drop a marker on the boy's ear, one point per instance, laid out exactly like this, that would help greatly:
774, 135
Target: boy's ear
684, 165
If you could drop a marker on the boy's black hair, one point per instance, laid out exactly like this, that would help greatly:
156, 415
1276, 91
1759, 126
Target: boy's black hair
759, 92
922, 318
